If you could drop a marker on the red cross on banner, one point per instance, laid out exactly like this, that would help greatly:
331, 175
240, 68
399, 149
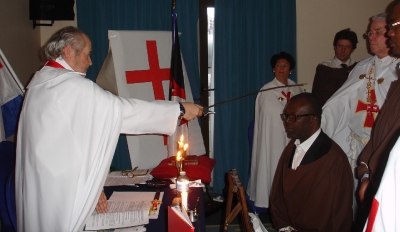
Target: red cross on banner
1, 65
372, 215
155, 74
370, 109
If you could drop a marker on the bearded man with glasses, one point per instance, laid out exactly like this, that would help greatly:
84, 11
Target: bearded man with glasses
312, 187
349, 115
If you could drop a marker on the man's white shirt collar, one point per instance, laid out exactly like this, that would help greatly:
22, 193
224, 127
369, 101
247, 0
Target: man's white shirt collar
304, 146
307, 144
336, 63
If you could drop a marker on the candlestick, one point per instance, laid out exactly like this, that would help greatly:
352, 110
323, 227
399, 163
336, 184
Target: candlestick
184, 196
185, 147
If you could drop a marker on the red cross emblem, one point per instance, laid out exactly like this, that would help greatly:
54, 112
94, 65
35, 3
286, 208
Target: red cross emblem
287, 95
370, 108
155, 74
1, 65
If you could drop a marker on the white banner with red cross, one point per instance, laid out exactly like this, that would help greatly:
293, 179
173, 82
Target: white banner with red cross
138, 66
385, 210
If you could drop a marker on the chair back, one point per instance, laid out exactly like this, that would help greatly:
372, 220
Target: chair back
235, 188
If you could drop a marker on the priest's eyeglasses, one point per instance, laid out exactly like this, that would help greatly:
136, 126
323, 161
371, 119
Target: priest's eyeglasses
393, 25
293, 117
377, 32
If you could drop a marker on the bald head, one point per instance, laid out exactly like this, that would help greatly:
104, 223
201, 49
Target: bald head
302, 116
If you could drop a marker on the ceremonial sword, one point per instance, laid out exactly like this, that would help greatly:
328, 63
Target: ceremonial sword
207, 112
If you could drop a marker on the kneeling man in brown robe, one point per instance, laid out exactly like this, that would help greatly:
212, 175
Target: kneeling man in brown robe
313, 184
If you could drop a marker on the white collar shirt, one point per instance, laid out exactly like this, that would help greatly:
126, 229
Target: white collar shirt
302, 148
336, 63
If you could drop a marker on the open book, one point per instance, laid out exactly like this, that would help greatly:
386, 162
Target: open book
178, 220
125, 209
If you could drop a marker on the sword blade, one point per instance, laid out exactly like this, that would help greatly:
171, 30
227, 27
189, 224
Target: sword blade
249, 94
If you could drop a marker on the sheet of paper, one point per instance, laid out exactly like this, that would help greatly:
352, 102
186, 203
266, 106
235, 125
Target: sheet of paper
117, 220
181, 214
117, 179
147, 197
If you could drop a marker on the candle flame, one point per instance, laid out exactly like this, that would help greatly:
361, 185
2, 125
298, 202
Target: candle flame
185, 147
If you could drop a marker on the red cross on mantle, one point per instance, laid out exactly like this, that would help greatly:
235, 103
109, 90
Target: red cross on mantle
1, 65
287, 95
155, 74
370, 108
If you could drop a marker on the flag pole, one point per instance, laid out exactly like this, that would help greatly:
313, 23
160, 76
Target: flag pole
16, 79
177, 86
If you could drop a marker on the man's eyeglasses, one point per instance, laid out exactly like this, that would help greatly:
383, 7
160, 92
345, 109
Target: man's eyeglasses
393, 25
375, 32
293, 117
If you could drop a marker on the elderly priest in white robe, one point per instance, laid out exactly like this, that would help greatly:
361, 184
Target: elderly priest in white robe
68, 132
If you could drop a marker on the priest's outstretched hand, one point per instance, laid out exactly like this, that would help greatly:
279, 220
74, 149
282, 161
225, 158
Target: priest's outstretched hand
192, 110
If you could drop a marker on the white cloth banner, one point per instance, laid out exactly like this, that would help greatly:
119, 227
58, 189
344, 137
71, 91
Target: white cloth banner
11, 91
138, 66
385, 210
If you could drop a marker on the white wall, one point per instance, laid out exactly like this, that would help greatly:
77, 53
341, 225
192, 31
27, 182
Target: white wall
317, 23
18, 40
46, 32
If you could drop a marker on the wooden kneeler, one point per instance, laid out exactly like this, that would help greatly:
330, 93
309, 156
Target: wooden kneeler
236, 188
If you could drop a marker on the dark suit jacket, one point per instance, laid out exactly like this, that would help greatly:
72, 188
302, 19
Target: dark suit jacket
328, 80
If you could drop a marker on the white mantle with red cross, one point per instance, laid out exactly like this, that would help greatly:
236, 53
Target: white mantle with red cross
138, 66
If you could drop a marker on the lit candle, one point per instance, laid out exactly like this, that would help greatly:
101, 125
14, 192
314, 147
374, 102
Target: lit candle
178, 156
185, 147
180, 143
184, 197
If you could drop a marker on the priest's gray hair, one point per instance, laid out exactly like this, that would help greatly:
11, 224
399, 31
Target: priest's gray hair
67, 36
382, 16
